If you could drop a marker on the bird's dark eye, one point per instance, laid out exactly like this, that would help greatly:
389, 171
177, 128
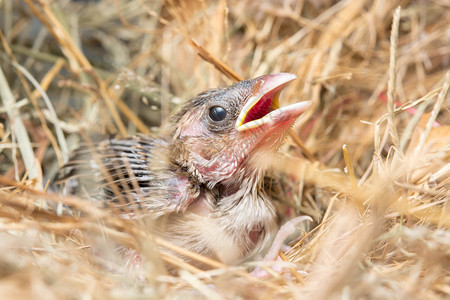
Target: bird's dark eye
217, 113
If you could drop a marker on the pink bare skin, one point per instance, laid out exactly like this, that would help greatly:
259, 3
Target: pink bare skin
272, 255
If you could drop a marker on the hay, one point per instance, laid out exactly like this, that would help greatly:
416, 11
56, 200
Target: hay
374, 173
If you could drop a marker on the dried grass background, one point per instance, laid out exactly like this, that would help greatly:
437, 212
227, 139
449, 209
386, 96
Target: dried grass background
375, 181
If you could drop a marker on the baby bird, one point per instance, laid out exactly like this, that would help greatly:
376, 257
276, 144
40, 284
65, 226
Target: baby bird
201, 180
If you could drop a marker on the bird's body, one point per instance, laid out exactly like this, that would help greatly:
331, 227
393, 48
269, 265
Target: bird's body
201, 181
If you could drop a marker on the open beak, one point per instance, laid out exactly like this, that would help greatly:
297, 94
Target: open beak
264, 108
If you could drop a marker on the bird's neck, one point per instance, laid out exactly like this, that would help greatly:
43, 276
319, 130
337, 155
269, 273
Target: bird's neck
246, 178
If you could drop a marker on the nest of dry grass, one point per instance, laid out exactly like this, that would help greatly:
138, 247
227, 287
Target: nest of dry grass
368, 162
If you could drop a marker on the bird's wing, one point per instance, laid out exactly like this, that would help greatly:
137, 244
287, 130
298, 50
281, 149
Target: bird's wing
134, 175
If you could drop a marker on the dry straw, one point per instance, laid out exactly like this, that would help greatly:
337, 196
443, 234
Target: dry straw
368, 162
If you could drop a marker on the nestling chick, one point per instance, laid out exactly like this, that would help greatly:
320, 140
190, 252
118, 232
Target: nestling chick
201, 181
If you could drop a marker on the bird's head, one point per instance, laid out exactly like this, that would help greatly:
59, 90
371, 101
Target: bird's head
226, 132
